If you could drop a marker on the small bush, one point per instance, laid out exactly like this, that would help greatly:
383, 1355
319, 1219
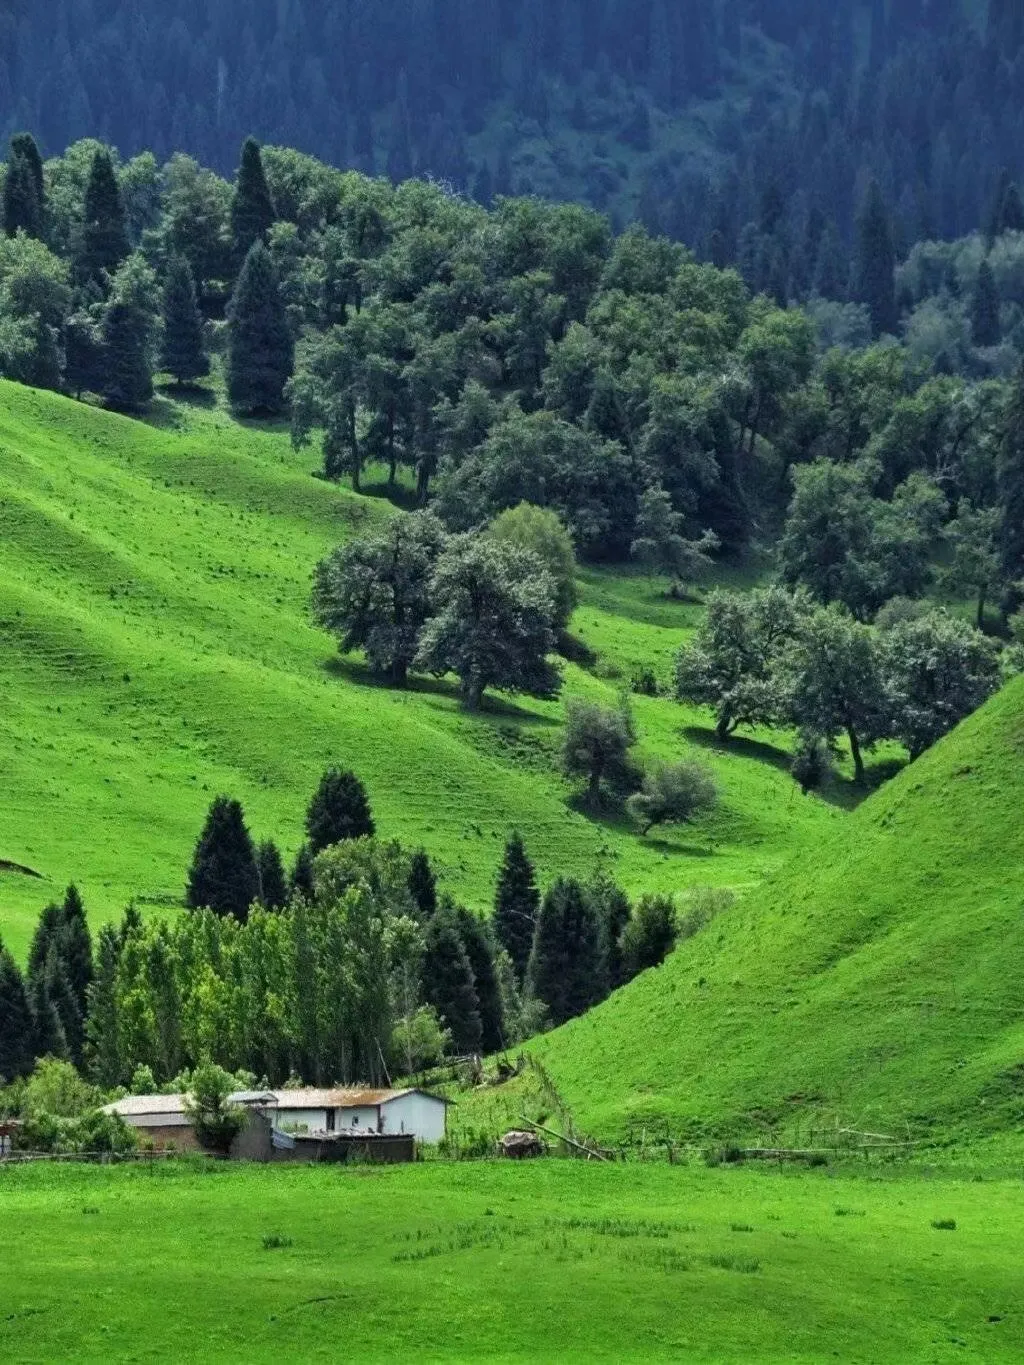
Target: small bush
274, 1241
944, 1224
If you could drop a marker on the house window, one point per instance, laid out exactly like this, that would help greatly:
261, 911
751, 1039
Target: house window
330, 1120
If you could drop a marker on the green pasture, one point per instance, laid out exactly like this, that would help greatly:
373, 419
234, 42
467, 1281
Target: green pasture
553, 1261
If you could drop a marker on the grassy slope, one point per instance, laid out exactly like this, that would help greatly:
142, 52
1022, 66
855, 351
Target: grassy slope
552, 1261
876, 981
155, 649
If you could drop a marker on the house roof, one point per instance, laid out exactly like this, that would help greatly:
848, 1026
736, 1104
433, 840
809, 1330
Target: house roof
146, 1106
343, 1098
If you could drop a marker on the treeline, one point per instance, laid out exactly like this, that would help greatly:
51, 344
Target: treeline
353, 969
800, 100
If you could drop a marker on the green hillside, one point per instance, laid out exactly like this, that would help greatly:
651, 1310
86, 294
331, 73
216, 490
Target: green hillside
155, 649
876, 983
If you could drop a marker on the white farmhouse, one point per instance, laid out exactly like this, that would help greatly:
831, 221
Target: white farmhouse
411, 1112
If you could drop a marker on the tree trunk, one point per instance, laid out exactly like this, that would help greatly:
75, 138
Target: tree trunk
858, 757
724, 726
594, 793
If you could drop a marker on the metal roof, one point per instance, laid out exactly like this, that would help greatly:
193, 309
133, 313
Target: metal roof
344, 1098
145, 1106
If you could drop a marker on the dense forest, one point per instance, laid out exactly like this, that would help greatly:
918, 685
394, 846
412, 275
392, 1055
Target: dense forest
722, 122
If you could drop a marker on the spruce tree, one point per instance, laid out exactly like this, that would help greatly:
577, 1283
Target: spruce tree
252, 209
566, 965
448, 982
183, 353
516, 904
17, 1030
338, 811
261, 351
875, 264
104, 242
22, 207
479, 947
25, 146
423, 885
102, 1035
75, 948
986, 328
273, 885
130, 326
44, 991
1010, 475
224, 877
301, 880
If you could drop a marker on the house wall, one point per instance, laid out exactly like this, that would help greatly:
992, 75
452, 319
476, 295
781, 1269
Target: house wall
359, 1116
179, 1136
419, 1115
313, 1120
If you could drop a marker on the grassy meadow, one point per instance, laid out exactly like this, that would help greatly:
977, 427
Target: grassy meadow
549, 1261
156, 649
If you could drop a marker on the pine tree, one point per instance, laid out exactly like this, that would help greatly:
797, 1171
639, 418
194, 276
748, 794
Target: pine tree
448, 982
613, 910
301, 881
102, 1035
48, 1032
75, 948
224, 877
1011, 486
17, 1029
22, 207
252, 209
25, 146
261, 351
130, 327
516, 904
183, 354
566, 966
339, 811
423, 885
480, 951
273, 886
876, 263
986, 328
104, 243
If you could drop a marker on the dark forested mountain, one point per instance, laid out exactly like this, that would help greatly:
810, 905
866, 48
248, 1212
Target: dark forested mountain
749, 127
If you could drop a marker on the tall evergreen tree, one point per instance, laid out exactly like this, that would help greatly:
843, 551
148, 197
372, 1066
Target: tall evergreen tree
17, 1029
104, 241
516, 904
567, 970
261, 351
273, 884
22, 206
986, 328
25, 146
130, 327
480, 951
301, 881
875, 264
102, 1037
75, 948
224, 877
423, 885
338, 811
1010, 475
252, 209
45, 992
448, 982
183, 353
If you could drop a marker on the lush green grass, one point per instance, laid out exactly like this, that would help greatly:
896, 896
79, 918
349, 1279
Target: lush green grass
155, 649
550, 1261
874, 983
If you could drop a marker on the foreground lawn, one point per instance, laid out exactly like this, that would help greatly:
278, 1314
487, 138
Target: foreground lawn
552, 1261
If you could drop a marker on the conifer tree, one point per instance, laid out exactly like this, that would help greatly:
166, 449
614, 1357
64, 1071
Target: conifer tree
566, 967
273, 886
1011, 485
130, 327
1011, 211
44, 992
102, 1037
17, 1030
301, 880
339, 810
986, 328
875, 264
22, 206
75, 948
183, 353
25, 146
516, 904
448, 983
423, 885
224, 877
261, 351
480, 951
104, 242
252, 209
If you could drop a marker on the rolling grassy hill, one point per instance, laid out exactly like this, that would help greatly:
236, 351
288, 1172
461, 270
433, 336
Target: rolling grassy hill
875, 982
156, 649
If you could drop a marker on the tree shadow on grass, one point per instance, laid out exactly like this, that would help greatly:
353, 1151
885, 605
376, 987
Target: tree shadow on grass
739, 745
356, 671
847, 794
613, 817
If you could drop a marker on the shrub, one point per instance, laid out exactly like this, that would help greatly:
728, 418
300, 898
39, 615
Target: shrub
673, 793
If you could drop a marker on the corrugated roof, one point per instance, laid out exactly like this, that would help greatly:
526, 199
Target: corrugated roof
142, 1106
349, 1098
